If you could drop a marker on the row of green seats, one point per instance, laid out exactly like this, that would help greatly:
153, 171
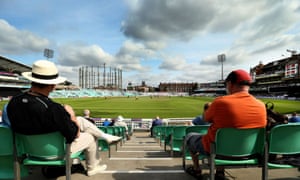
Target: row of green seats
173, 136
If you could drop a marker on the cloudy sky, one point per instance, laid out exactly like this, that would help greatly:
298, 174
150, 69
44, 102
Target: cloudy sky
150, 40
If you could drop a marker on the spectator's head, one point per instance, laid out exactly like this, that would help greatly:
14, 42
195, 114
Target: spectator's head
206, 106
294, 114
120, 118
239, 77
44, 72
237, 80
86, 113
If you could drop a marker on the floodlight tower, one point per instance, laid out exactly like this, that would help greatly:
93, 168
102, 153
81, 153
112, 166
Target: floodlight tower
48, 53
293, 52
221, 59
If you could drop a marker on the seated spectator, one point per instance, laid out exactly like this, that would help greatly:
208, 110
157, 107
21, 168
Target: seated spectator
112, 122
294, 118
33, 112
106, 122
199, 120
238, 109
86, 115
120, 122
156, 122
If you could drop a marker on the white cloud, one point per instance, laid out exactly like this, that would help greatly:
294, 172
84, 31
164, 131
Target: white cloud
159, 41
173, 63
157, 20
78, 54
14, 41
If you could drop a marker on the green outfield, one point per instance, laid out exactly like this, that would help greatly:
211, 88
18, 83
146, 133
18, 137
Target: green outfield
147, 107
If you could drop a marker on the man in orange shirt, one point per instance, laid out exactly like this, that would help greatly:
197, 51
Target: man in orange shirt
238, 109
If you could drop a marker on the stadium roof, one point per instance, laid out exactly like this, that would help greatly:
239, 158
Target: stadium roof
13, 66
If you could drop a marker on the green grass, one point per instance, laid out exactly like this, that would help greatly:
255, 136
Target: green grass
146, 107
143, 107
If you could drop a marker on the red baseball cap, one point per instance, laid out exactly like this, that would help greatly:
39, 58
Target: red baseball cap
239, 77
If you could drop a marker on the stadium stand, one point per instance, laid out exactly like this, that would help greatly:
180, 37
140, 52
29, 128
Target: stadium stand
11, 82
277, 78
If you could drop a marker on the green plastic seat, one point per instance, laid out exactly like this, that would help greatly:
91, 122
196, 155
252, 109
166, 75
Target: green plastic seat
110, 130
239, 148
156, 131
120, 131
7, 155
177, 138
201, 129
161, 134
46, 150
113, 130
102, 144
123, 132
166, 136
284, 140
103, 128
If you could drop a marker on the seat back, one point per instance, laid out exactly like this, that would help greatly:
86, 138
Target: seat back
50, 146
177, 137
285, 139
202, 129
235, 142
110, 130
45, 150
156, 131
179, 132
123, 132
118, 130
239, 147
168, 130
7, 155
102, 128
6, 138
166, 134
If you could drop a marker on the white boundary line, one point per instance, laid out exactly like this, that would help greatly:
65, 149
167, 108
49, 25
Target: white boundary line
141, 145
126, 147
146, 171
142, 151
148, 159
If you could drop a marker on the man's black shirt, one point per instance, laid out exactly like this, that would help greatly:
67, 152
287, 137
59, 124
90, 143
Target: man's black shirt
30, 114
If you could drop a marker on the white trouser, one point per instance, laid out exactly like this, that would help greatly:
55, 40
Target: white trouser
88, 141
87, 126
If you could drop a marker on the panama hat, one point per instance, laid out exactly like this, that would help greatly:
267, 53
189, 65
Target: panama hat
120, 118
44, 72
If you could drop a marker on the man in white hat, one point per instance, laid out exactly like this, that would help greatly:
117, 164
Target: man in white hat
32, 112
120, 122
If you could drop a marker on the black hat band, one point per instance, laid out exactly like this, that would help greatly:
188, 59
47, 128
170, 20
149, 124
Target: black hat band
46, 77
